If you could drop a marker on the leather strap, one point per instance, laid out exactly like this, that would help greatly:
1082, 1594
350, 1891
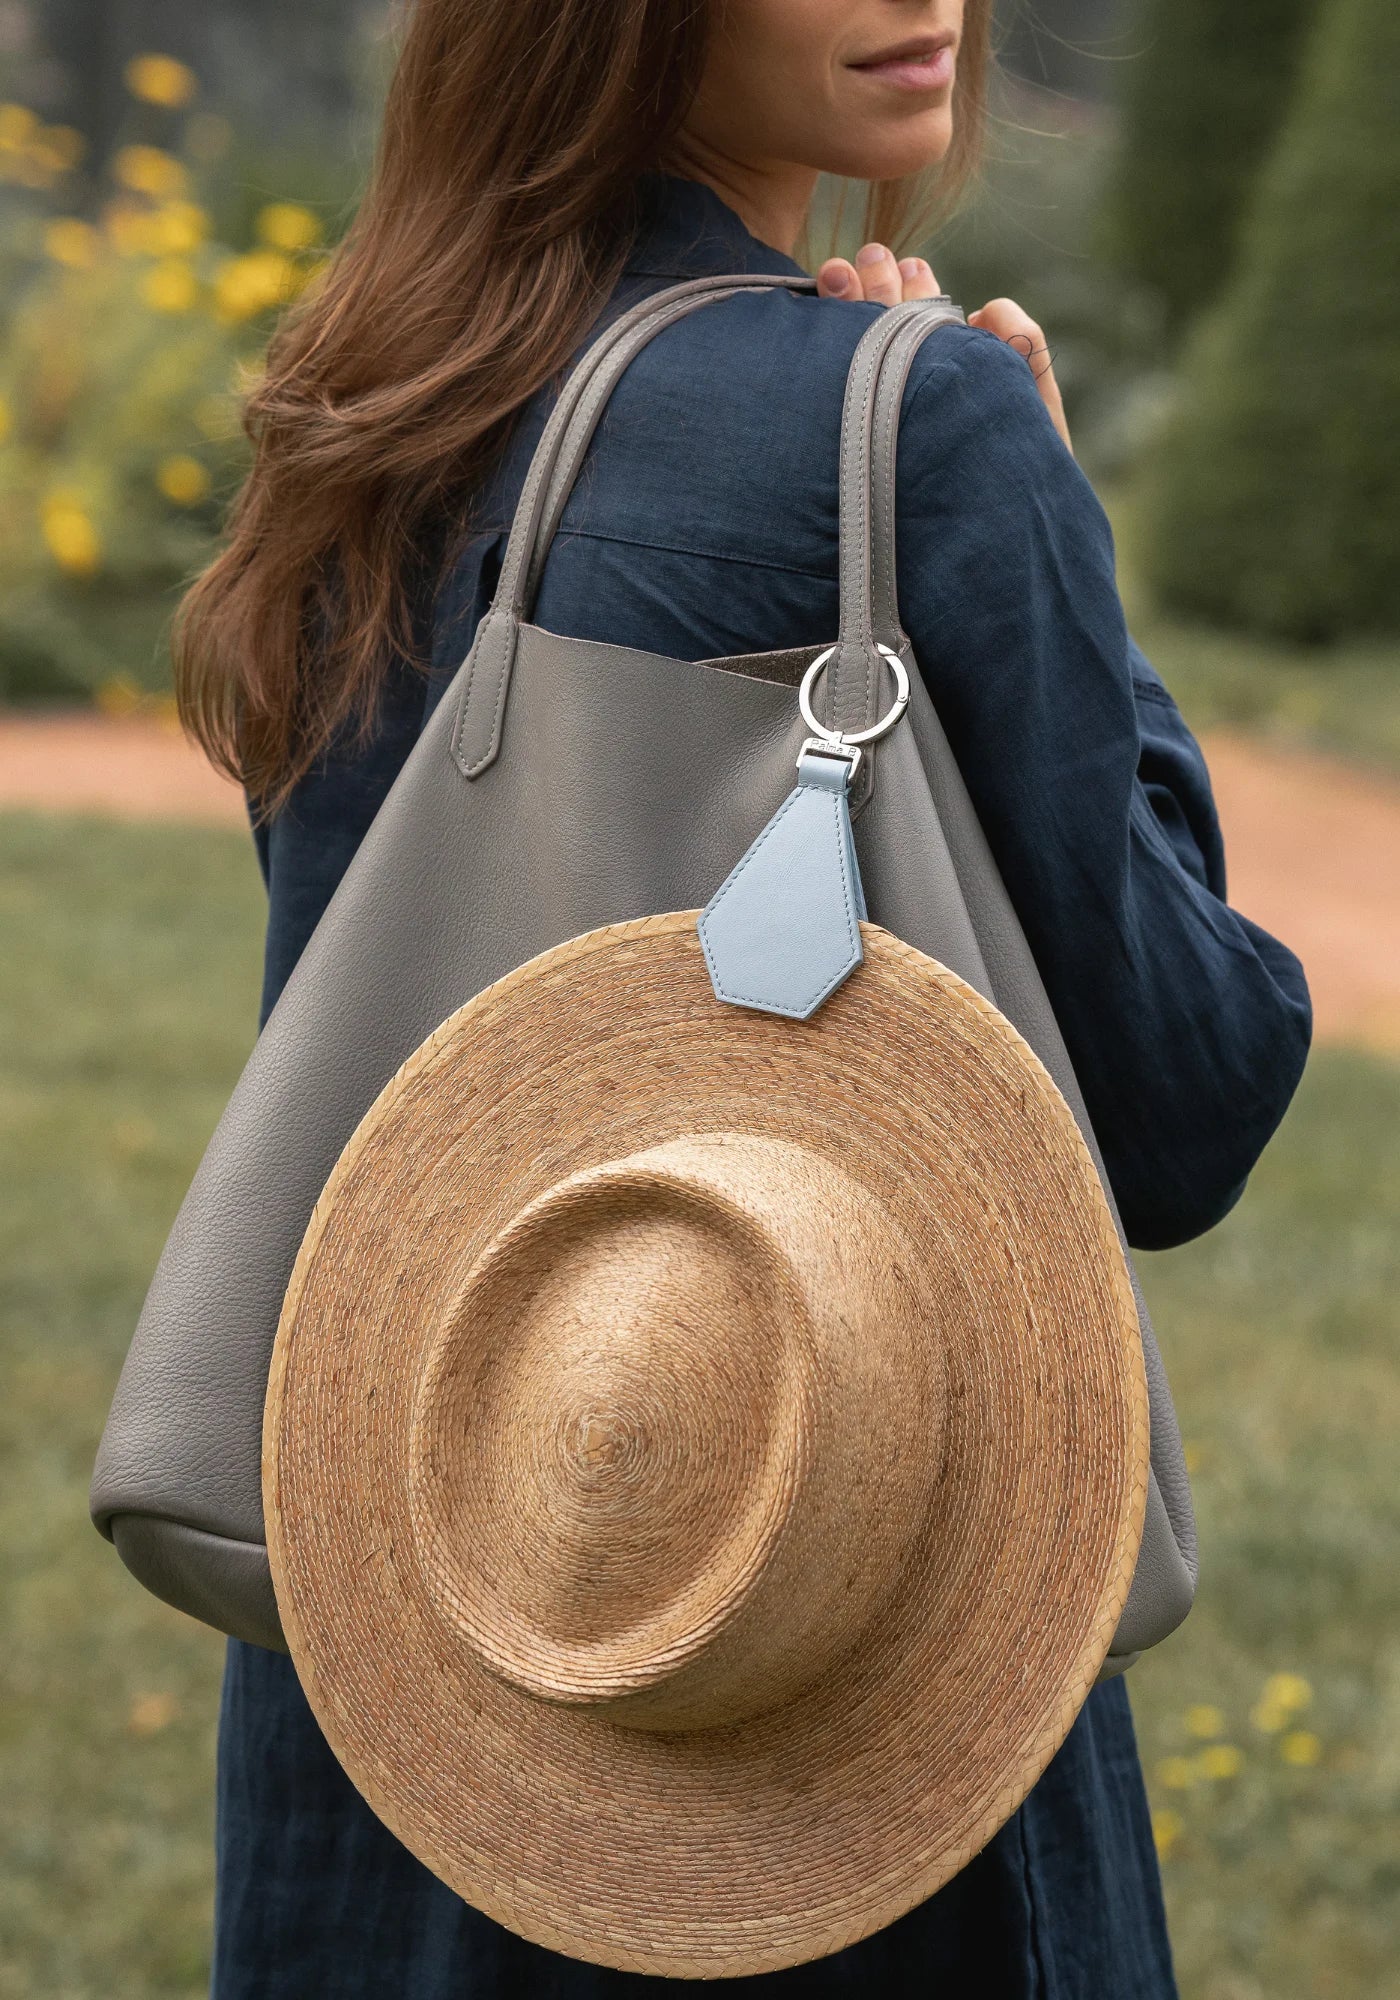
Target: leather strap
889, 402
548, 483
853, 690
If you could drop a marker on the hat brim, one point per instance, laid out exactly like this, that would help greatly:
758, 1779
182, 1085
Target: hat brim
744, 1849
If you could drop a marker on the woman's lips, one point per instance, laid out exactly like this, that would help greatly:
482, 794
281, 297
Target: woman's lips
930, 69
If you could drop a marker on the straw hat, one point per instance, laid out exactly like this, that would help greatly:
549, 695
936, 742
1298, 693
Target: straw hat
705, 1453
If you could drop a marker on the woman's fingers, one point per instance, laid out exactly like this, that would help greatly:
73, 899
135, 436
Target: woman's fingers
1008, 322
837, 280
919, 281
876, 277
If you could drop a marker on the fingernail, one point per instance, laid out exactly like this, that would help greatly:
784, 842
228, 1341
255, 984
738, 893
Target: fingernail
871, 253
838, 283
912, 267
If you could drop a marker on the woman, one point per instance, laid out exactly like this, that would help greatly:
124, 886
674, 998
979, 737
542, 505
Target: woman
545, 163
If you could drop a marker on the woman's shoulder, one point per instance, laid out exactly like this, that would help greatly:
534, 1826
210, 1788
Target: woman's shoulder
776, 327
723, 436
781, 359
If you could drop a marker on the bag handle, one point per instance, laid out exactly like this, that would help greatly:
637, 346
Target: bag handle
870, 422
889, 401
853, 692
476, 738
870, 419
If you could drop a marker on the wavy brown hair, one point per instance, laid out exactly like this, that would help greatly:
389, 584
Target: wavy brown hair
495, 226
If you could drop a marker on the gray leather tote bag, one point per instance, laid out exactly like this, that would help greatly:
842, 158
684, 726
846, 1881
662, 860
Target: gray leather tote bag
560, 785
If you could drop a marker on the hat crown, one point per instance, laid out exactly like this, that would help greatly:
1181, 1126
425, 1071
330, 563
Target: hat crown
678, 1432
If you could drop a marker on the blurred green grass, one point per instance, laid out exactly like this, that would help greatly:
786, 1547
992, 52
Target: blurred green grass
127, 1000
128, 994
1280, 1333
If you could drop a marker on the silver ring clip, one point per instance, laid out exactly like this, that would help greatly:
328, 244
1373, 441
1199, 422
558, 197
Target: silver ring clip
848, 740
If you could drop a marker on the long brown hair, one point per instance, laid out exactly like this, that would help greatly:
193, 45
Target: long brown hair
495, 226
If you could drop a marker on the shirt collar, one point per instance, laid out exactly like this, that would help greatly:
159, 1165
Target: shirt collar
684, 230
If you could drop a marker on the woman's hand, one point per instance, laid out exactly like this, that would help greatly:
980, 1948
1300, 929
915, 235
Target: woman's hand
877, 277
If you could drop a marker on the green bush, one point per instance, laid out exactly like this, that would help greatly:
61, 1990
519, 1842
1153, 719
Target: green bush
123, 347
1273, 498
1201, 104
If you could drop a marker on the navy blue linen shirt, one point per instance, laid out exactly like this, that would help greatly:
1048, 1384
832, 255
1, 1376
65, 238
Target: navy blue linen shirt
704, 524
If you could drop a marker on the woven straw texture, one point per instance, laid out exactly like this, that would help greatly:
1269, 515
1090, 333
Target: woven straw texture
705, 1453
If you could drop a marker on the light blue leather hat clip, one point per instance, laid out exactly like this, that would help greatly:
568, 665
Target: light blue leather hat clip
782, 932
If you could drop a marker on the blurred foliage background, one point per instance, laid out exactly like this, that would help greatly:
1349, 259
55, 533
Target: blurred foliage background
1200, 203
144, 253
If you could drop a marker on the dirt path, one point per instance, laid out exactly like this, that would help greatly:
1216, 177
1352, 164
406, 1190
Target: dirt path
1314, 845
125, 769
1313, 848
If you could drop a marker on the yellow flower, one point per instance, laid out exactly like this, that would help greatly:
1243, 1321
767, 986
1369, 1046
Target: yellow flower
1204, 1719
171, 287
72, 540
161, 80
1287, 1691
1300, 1746
1176, 1774
1167, 1829
183, 480
71, 242
178, 229
288, 226
148, 170
1191, 1457
18, 127
1280, 1699
118, 695
248, 285
1220, 1760
6, 420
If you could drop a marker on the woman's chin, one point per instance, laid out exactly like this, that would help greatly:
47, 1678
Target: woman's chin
908, 145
